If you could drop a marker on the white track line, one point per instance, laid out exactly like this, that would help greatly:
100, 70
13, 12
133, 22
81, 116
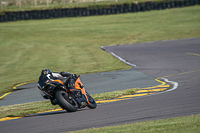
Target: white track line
118, 57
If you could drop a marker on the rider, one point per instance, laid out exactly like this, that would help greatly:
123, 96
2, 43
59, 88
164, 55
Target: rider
46, 75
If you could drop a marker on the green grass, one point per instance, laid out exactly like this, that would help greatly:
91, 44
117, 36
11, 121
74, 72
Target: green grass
188, 124
113, 94
41, 106
26, 108
73, 44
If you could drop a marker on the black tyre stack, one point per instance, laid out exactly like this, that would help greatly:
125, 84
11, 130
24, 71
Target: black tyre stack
80, 12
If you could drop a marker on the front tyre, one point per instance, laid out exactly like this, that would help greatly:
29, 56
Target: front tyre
65, 101
92, 104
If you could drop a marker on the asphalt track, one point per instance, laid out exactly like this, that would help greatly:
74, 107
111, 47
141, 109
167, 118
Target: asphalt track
175, 60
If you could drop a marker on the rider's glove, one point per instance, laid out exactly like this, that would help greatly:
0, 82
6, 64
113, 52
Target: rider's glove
74, 76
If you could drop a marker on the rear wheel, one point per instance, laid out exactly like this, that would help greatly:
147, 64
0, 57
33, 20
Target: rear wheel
65, 101
92, 104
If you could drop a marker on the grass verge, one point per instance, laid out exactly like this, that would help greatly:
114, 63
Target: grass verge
35, 107
188, 124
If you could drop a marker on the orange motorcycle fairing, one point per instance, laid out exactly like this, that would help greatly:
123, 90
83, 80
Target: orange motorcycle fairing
78, 85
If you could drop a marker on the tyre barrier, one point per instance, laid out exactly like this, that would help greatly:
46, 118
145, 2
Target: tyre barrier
80, 12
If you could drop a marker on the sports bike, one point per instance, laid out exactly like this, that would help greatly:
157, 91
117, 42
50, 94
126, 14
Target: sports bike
59, 91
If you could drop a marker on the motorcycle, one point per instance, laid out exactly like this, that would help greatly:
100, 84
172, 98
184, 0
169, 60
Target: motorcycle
59, 92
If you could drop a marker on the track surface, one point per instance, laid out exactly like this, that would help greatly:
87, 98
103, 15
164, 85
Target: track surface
177, 60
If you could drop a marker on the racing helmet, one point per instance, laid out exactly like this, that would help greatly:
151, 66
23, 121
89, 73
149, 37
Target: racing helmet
45, 71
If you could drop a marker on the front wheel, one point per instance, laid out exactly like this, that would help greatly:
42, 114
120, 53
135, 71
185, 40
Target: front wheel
92, 104
65, 101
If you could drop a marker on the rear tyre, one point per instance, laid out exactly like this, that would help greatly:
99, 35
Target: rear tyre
65, 102
92, 104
